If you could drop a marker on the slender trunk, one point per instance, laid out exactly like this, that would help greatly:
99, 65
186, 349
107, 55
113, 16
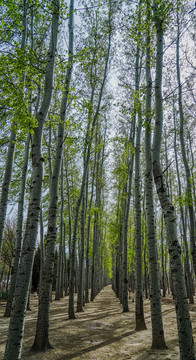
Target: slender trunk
158, 341
42, 250
12, 143
97, 260
69, 209
162, 259
73, 245
41, 342
62, 238
182, 310
88, 235
139, 310
65, 264
58, 293
19, 230
80, 297
184, 156
6, 181
187, 265
192, 168
16, 327
125, 223
18, 243
96, 239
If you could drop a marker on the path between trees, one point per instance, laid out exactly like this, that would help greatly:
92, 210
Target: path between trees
101, 332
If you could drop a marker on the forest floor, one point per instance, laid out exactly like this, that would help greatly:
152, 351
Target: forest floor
101, 332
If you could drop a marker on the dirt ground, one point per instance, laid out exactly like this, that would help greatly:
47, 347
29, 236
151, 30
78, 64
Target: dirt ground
101, 332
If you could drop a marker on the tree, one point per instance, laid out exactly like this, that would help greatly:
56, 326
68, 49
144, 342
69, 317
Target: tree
85, 169
16, 327
182, 311
9, 239
41, 342
183, 150
158, 341
12, 141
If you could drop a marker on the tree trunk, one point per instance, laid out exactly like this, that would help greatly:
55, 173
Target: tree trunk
88, 235
162, 259
80, 298
16, 327
184, 156
184, 228
73, 245
139, 310
59, 292
18, 243
158, 341
12, 143
41, 342
6, 181
182, 310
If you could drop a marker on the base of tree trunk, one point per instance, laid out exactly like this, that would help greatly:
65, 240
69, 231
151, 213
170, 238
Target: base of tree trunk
159, 344
7, 313
72, 316
126, 309
41, 345
79, 308
191, 301
140, 325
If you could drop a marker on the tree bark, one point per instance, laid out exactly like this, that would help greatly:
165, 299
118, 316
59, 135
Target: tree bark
184, 156
18, 243
16, 327
12, 143
73, 245
158, 341
139, 310
182, 215
41, 342
60, 271
182, 311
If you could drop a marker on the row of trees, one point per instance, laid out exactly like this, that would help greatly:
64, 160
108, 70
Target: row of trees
59, 107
